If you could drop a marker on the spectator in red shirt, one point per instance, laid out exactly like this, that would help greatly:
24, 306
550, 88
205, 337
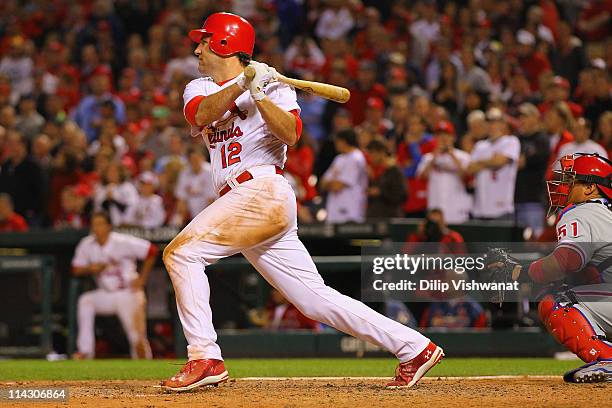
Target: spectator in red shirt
10, 221
594, 21
434, 229
282, 315
375, 122
366, 87
76, 207
532, 61
558, 121
558, 90
300, 162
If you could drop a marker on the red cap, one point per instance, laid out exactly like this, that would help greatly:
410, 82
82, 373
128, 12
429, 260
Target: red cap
376, 103
444, 126
83, 190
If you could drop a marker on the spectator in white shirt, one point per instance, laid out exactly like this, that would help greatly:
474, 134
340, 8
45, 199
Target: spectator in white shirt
428, 24
335, 22
494, 164
346, 181
148, 210
19, 68
582, 141
116, 194
444, 169
185, 63
194, 189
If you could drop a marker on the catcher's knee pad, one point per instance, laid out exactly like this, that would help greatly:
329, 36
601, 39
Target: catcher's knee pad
571, 328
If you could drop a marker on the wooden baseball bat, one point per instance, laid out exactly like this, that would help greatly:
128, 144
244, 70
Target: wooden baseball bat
327, 91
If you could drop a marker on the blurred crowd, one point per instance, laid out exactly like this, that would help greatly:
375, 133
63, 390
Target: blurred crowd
462, 106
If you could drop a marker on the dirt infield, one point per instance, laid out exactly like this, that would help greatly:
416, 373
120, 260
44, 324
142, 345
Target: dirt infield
431, 392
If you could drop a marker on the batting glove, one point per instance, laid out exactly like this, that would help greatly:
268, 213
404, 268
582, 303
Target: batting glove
263, 76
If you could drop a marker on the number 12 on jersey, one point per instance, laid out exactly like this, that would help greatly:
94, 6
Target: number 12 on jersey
233, 152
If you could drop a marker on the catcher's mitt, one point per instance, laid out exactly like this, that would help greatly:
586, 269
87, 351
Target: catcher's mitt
502, 268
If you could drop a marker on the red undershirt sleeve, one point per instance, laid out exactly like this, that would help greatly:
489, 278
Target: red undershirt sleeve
298, 123
569, 261
192, 108
152, 250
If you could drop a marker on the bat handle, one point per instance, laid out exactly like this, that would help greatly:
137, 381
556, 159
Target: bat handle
249, 72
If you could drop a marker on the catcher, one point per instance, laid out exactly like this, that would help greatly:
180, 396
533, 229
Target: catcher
579, 318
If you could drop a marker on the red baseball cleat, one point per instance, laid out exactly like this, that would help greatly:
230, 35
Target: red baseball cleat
197, 373
409, 373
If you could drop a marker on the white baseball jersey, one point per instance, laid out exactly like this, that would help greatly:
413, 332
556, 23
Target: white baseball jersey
587, 229
196, 189
240, 139
445, 186
348, 204
147, 212
494, 189
119, 253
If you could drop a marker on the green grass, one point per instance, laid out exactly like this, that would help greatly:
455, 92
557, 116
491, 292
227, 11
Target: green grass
21, 370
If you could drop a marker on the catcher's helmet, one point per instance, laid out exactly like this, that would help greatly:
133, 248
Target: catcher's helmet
228, 33
582, 167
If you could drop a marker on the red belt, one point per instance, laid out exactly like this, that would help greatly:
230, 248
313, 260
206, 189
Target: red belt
242, 178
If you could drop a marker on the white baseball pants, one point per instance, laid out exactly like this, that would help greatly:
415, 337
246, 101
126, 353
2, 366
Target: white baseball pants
130, 308
258, 218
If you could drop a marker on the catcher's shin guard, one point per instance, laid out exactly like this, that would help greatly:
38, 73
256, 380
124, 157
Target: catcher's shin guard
571, 328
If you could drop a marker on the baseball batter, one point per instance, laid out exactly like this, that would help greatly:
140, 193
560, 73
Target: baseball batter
111, 258
581, 317
247, 126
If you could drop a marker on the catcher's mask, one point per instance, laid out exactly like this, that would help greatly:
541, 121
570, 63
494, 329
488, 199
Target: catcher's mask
581, 167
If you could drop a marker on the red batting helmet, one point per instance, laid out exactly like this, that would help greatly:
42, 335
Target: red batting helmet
582, 167
228, 33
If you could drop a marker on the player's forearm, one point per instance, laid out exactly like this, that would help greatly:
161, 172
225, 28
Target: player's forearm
80, 271
213, 106
333, 186
556, 266
85, 270
281, 123
460, 169
496, 162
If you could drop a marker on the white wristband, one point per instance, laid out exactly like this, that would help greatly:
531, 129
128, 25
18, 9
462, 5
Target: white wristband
258, 96
241, 82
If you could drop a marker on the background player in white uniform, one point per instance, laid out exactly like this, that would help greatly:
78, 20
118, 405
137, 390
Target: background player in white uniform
247, 127
581, 317
111, 258
494, 165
